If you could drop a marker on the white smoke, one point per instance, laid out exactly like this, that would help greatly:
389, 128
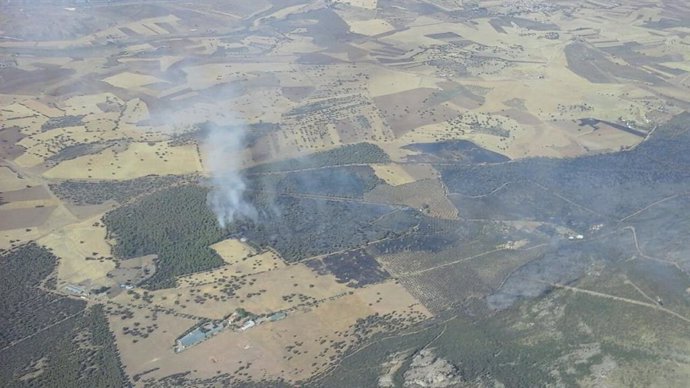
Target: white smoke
223, 147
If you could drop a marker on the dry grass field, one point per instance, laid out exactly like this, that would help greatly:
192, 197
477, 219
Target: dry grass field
138, 160
270, 350
85, 255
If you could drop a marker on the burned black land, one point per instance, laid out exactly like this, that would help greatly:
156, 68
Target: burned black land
620, 200
453, 151
357, 268
587, 250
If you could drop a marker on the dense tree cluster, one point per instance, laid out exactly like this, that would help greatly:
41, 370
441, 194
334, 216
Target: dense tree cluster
576, 191
25, 307
50, 340
62, 122
345, 181
74, 151
176, 224
93, 193
462, 151
301, 227
359, 153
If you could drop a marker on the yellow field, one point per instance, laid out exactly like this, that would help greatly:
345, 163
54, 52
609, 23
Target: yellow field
262, 292
135, 111
11, 181
274, 349
393, 174
138, 356
389, 82
41, 108
368, 4
370, 27
140, 159
238, 265
127, 80
232, 250
81, 247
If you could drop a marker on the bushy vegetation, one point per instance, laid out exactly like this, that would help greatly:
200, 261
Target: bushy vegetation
236, 379
76, 150
360, 153
484, 353
301, 227
78, 352
62, 122
93, 193
176, 224
461, 151
254, 131
50, 340
25, 307
350, 181
581, 190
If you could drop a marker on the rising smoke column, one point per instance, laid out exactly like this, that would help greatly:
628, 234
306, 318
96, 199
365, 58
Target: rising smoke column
223, 147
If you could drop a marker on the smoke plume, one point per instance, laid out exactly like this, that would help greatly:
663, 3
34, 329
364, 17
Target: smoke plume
223, 147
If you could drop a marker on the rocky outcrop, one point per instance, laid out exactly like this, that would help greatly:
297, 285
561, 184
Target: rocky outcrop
428, 370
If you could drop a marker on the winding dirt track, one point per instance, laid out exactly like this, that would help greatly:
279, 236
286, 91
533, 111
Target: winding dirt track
620, 299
